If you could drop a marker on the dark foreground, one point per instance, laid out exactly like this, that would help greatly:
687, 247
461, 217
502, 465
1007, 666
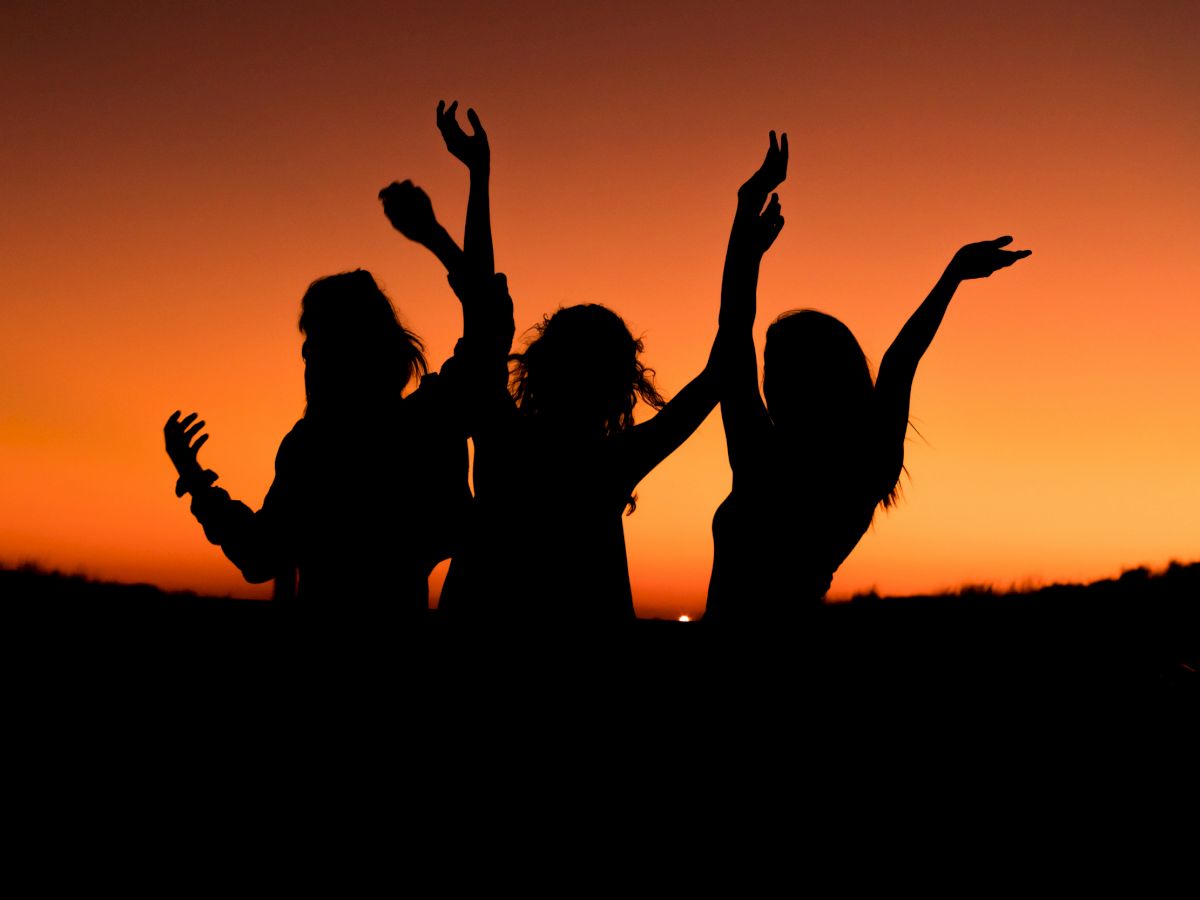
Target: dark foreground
1141, 630
189, 703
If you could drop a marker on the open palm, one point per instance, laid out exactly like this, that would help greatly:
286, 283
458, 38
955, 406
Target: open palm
471, 149
981, 259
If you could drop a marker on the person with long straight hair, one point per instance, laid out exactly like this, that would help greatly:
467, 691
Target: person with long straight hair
813, 462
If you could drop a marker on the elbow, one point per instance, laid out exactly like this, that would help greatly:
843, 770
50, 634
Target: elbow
256, 568
257, 576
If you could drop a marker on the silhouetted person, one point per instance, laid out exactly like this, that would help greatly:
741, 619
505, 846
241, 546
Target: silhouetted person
557, 457
811, 464
370, 487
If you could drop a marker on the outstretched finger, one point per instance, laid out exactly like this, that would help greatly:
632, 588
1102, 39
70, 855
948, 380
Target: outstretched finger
200, 443
173, 419
191, 432
441, 112
774, 148
476, 125
188, 420
783, 146
1002, 241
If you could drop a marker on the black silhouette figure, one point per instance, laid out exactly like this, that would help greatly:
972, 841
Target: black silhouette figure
370, 488
810, 465
557, 453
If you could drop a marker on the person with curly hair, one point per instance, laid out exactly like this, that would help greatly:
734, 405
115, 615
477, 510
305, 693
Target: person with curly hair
558, 453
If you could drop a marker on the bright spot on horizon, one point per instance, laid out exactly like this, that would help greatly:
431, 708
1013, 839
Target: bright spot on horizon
685, 618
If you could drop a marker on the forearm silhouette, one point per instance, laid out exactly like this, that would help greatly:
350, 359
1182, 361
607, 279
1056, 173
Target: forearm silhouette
487, 309
252, 541
743, 413
754, 231
893, 386
475, 153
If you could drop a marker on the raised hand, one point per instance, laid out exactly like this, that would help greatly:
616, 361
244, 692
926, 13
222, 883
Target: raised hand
179, 435
772, 172
409, 210
471, 149
981, 259
767, 225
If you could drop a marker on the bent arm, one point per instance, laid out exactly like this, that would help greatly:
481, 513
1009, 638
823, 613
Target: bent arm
898, 369
648, 444
731, 374
485, 322
250, 540
254, 542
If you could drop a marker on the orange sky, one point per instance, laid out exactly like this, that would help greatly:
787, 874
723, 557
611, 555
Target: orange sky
172, 179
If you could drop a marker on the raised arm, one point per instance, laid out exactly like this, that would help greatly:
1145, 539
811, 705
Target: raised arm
893, 387
755, 229
410, 211
475, 153
743, 413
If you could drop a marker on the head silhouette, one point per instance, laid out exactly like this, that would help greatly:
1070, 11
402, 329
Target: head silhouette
355, 351
815, 375
581, 372
819, 391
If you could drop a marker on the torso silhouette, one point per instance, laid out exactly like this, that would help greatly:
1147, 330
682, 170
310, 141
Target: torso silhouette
548, 541
363, 505
785, 528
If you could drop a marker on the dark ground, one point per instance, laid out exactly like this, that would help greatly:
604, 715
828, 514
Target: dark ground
1141, 629
860, 710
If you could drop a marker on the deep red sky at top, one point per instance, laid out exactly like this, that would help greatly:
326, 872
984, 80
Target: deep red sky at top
172, 176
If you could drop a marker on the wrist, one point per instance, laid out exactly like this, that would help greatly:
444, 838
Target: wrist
952, 277
194, 481
436, 238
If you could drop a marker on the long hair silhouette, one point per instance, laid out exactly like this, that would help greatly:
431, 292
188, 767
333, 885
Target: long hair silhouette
812, 463
581, 373
583, 366
817, 381
355, 350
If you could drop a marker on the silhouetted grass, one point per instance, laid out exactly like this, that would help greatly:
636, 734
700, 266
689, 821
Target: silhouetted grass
1142, 627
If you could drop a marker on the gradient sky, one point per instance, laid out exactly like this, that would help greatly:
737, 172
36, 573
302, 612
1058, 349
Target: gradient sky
172, 176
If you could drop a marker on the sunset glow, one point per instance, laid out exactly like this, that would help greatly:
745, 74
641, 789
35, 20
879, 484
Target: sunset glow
173, 177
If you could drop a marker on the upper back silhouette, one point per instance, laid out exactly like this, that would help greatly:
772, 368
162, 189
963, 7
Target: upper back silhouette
370, 487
